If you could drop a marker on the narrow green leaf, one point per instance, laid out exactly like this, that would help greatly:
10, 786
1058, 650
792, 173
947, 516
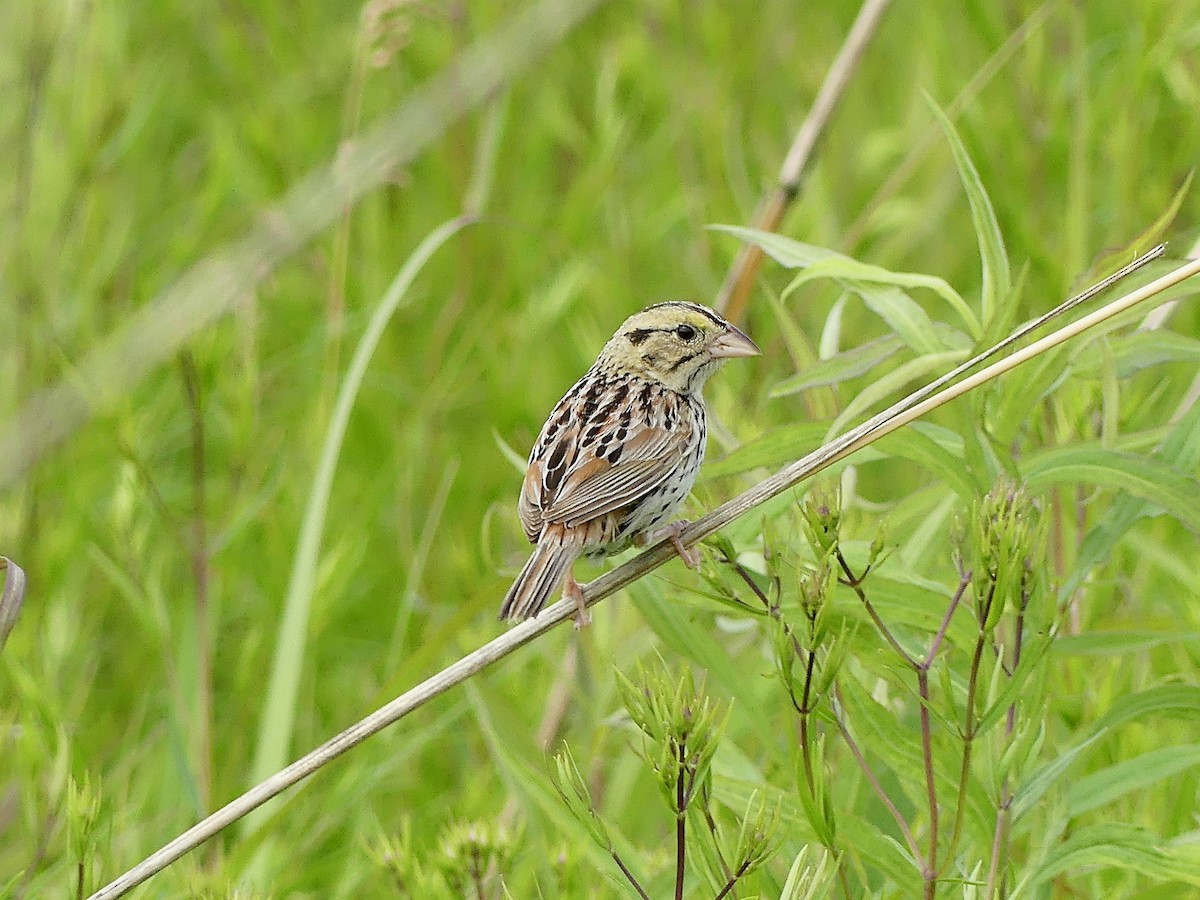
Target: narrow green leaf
1119, 643
997, 276
1112, 260
1137, 351
1181, 451
283, 683
1117, 846
903, 315
893, 381
943, 461
1111, 782
841, 366
772, 449
1145, 477
850, 272
1035, 786
1175, 699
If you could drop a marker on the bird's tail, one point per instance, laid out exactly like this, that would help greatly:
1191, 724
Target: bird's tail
543, 573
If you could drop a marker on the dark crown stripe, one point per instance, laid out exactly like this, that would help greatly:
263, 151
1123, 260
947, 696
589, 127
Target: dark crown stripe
694, 307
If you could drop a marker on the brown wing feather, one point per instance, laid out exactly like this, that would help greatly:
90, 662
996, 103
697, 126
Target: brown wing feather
572, 476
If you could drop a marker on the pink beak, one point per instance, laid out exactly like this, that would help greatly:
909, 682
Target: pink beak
733, 342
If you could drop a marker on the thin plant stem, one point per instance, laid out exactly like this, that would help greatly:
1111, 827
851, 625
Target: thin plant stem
200, 573
857, 753
964, 582
735, 292
854, 582
732, 880
968, 733
929, 872
629, 876
1000, 838
805, 710
681, 802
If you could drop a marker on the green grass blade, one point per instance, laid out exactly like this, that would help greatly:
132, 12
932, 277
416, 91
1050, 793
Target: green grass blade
997, 276
279, 710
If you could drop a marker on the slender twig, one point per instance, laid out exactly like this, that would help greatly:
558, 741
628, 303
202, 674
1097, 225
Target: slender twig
629, 876
200, 573
705, 806
929, 872
680, 819
964, 581
854, 582
874, 782
736, 290
896, 416
732, 880
968, 732
1000, 837
805, 710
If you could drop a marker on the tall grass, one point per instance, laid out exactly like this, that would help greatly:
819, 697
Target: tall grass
144, 139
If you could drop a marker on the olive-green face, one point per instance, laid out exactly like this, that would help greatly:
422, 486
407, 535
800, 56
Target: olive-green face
677, 344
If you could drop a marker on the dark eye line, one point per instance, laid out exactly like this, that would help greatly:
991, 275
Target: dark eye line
639, 335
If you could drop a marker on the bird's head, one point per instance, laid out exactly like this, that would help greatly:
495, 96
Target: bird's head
676, 344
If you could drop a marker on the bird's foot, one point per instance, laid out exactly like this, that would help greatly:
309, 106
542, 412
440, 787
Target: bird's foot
572, 591
689, 555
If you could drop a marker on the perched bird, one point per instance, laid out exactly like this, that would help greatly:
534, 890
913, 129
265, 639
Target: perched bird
620, 452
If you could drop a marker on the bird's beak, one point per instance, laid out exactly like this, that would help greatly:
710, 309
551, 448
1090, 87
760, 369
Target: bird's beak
733, 342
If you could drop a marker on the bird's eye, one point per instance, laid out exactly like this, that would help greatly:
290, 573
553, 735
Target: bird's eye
686, 333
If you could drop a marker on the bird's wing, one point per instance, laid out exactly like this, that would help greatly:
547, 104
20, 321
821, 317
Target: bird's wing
599, 480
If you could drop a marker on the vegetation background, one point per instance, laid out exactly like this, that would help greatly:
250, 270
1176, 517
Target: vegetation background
159, 538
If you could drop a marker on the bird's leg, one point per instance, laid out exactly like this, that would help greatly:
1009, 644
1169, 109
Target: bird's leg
689, 555
572, 591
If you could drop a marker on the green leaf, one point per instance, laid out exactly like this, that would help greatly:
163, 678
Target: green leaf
283, 683
1176, 699
1118, 846
1110, 261
937, 451
1144, 477
1036, 785
1119, 643
773, 449
1181, 450
997, 276
903, 315
895, 380
1106, 785
847, 271
1137, 351
841, 366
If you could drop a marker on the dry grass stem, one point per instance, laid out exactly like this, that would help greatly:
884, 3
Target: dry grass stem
735, 292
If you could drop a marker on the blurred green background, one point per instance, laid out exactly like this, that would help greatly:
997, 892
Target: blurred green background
136, 140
